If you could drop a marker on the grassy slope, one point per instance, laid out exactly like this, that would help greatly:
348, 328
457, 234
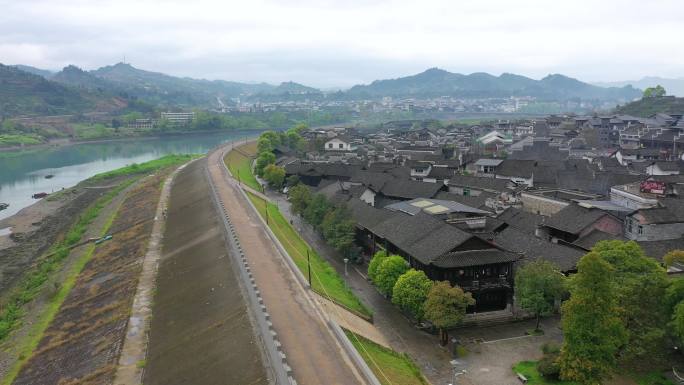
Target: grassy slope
390, 367
240, 164
325, 279
147, 167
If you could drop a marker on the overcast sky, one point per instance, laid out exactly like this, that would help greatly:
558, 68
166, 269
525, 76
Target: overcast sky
327, 43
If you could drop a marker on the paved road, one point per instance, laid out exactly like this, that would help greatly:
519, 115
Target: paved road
313, 352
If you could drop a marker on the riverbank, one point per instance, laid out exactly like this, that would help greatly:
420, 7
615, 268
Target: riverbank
62, 142
47, 249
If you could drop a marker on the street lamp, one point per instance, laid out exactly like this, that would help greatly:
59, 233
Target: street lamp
346, 260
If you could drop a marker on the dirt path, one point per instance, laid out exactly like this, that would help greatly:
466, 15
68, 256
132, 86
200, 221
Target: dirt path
312, 350
200, 331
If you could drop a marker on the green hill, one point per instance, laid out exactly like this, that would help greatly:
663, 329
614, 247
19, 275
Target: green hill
23, 93
438, 82
646, 107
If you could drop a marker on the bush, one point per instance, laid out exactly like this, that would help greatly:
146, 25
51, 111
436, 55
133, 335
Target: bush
548, 366
388, 272
551, 348
375, 263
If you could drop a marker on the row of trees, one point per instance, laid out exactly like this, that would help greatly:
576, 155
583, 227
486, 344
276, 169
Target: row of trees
622, 311
266, 145
333, 222
414, 293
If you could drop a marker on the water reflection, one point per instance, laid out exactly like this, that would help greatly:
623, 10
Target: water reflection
23, 174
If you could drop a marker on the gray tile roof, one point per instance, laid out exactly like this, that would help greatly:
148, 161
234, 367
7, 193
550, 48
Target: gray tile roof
533, 248
522, 220
475, 258
492, 184
410, 189
574, 218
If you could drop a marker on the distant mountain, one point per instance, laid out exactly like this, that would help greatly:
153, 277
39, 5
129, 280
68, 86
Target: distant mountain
647, 107
293, 88
34, 70
76, 77
187, 91
438, 82
672, 86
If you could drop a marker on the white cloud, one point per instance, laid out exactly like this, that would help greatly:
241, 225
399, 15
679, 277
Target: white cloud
327, 43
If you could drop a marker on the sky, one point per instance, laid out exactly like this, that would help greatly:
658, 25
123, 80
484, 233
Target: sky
330, 44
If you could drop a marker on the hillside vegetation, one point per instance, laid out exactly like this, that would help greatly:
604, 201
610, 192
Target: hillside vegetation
646, 107
438, 82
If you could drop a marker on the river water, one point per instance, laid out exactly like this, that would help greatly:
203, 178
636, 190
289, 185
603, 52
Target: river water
23, 174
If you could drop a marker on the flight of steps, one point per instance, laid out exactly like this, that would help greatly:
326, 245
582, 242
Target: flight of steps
490, 318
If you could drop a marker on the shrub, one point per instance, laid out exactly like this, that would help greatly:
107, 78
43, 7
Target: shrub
548, 366
375, 263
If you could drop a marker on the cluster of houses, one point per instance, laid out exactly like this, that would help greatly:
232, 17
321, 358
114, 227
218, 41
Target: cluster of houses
468, 205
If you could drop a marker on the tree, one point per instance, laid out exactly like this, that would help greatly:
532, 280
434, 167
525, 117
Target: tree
640, 288
446, 307
538, 285
375, 263
655, 92
316, 209
673, 256
677, 322
300, 197
410, 292
263, 160
339, 229
390, 269
292, 180
593, 332
274, 175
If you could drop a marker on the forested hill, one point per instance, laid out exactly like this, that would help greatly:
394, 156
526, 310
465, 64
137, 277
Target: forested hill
23, 93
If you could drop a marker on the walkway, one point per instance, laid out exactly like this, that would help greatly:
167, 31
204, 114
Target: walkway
313, 352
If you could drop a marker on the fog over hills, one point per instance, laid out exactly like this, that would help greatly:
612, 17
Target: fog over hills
674, 86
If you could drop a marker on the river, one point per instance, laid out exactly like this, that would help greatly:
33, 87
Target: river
22, 174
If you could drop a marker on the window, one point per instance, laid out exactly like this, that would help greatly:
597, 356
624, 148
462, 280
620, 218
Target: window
466, 191
330, 145
341, 145
641, 229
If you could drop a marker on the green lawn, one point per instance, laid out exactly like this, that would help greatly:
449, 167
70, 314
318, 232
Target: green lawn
529, 370
325, 279
148, 167
239, 162
390, 367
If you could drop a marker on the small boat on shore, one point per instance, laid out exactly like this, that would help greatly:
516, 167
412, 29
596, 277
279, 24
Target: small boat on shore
4, 206
49, 176
39, 195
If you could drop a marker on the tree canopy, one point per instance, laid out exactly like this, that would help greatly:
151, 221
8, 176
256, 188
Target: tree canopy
654, 92
375, 263
274, 175
446, 307
593, 332
390, 269
410, 292
538, 285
